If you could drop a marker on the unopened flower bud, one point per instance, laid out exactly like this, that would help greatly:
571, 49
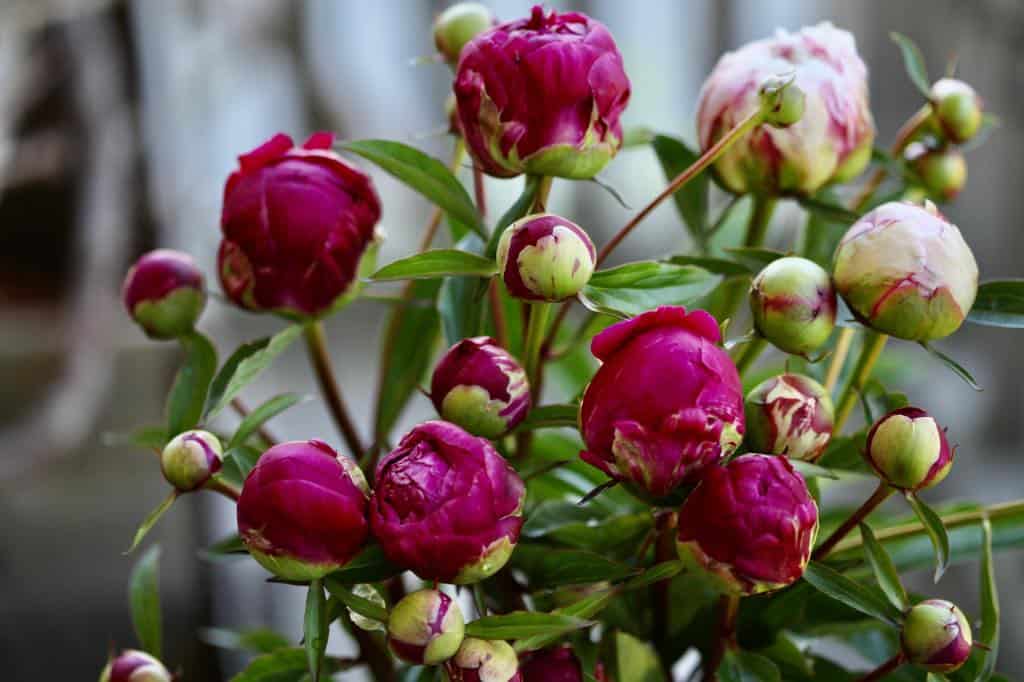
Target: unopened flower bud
794, 304
481, 387
190, 459
957, 109
459, 24
790, 415
483, 660
544, 257
936, 636
943, 172
164, 293
302, 512
749, 526
425, 628
558, 664
906, 271
783, 102
908, 449
135, 666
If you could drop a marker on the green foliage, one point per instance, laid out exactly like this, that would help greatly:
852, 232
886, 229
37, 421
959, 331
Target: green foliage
188, 395
244, 366
629, 290
144, 593
435, 264
1000, 303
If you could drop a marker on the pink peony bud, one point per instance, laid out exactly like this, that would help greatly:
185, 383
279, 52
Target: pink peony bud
482, 660
447, 506
794, 304
559, 664
831, 141
749, 525
943, 172
302, 512
459, 24
666, 403
544, 257
426, 628
190, 459
296, 223
542, 95
958, 111
908, 449
480, 387
135, 666
164, 293
790, 415
936, 636
906, 271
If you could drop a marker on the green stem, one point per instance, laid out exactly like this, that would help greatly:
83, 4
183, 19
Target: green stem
751, 351
874, 344
757, 230
540, 201
882, 492
537, 325
316, 342
842, 349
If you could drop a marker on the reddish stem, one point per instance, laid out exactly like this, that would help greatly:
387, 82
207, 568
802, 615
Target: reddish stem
882, 492
881, 671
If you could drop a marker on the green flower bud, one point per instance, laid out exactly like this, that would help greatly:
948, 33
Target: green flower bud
459, 24
936, 636
957, 109
190, 459
942, 171
908, 449
782, 102
794, 304
426, 628
485, 660
544, 257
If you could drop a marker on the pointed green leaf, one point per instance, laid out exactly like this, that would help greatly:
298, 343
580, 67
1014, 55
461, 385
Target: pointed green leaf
238, 462
230, 547
828, 210
436, 264
999, 303
585, 608
864, 598
314, 628
913, 61
369, 566
144, 597
255, 640
746, 666
631, 659
188, 394
151, 520
989, 632
461, 299
717, 266
245, 365
635, 288
655, 574
885, 571
283, 665
953, 365
755, 257
810, 470
519, 209
520, 624
936, 532
361, 605
261, 415
692, 199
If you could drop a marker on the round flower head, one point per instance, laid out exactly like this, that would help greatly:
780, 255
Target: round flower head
790, 415
459, 24
943, 172
480, 387
296, 223
446, 505
750, 525
190, 459
559, 664
544, 257
165, 294
906, 271
831, 141
425, 628
936, 636
483, 660
666, 402
957, 110
135, 666
542, 95
794, 304
908, 449
302, 512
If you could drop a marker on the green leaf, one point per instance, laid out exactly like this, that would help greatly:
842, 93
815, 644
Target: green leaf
144, 596
369, 566
936, 530
864, 598
361, 605
810, 470
989, 632
825, 208
631, 659
717, 266
245, 365
519, 209
914, 63
692, 199
435, 264
151, 520
520, 624
262, 414
314, 628
550, 416
188, 395
953, 365
255, 640
1000, 303
585, 608
746, 666
635, 288
546, 567
755, 257
283, 665
655, 574
238, 462
461, 300
423, 173
885, 572
231, 546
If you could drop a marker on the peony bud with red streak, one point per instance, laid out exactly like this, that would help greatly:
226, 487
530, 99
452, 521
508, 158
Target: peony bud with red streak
957, 109
483, 660
165, 293
936, 636
908, 449
135, 666
943, 172
190, 459
793, 304
544, 257
790, 415
425, 628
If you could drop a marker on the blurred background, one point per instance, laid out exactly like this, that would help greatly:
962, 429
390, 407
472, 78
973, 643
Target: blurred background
120, 120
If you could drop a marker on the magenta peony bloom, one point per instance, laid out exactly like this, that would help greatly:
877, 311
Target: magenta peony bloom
164, 293
483, 660
190, 459
426, 628
750, 525
302, 512
544, 257
542, 95
446, 505
296, 223
791, 415
135, 666
559, 664
908, 449
481, 387
831, 142
666, 403
936, 636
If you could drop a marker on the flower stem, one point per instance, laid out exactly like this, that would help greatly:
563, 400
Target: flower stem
757, 230
664, 550
317, 344
882, 492
874, 344
226, 489
842, 349
728, 609
903, 138
540, 201
750, 353
881, 671
537, 325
